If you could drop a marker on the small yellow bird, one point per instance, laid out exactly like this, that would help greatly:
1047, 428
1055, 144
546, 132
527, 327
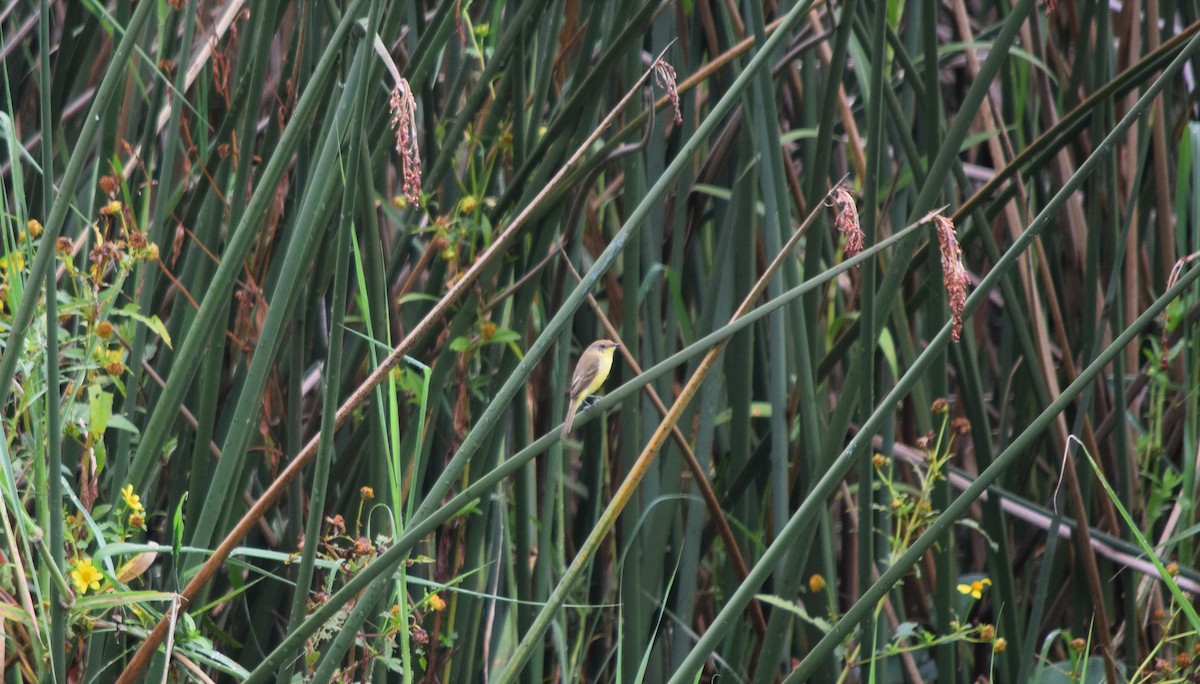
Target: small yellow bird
591, 372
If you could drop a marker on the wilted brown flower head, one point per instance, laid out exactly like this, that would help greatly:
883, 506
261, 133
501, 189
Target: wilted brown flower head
846, 220
954, 274
404, 120
363, 547
109, 186
105, 252
664, 76
337, 524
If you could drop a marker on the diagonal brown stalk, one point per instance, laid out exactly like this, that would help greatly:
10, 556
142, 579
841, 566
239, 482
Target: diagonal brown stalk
698, 475
641, 467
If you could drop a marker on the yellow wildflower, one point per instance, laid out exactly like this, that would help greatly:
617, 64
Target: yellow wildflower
14, 261
85, 576
436, 602
816, 583
975, 589
133, 501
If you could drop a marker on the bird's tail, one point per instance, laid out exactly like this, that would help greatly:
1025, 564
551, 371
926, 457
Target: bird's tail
572, 407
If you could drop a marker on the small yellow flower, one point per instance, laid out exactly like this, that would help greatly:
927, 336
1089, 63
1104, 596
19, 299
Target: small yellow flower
975, 589
366, 493
436, 603
35, 228
107, 356
85, 576
14, 261
999, 645
133, 501
816, 583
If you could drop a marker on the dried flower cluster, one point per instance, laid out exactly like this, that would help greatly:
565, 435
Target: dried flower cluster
404, 120
664, 77
846, 220
954, 274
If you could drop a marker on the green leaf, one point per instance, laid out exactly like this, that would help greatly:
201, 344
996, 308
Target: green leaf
504, 336
152, 322
100, 405
177, 526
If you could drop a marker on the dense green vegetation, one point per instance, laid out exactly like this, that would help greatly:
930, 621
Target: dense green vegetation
291, 295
